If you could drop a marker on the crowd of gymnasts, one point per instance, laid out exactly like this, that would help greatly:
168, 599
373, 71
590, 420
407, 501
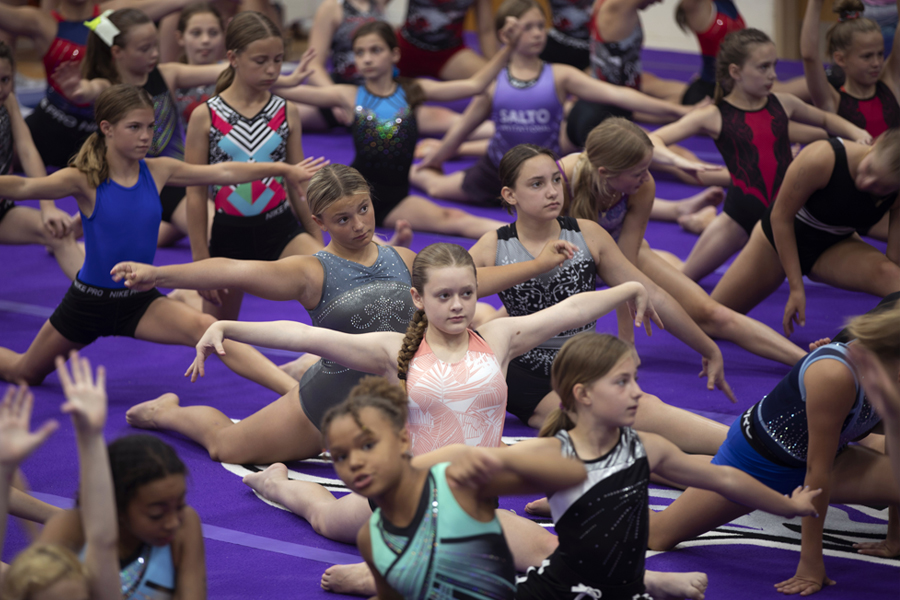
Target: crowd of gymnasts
410, 401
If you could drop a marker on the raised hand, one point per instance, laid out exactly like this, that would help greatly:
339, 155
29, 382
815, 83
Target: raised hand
210, 343
303, 70
303, 172
85, 395
714, 371
510, 32
137, 276
16, 441
555, 253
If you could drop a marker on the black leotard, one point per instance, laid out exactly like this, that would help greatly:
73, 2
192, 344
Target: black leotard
875, 114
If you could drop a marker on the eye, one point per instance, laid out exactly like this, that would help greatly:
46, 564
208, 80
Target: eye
368, 446
468, 293
364, 209
338, 458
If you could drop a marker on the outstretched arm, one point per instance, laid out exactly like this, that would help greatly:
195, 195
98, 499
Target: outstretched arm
891, 73
823, 95
62, 183
702, 121
580, 84
494, 279
800, 111
477, 111
169, 171
30, 22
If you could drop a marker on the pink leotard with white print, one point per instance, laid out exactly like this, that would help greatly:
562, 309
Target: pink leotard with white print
458, 403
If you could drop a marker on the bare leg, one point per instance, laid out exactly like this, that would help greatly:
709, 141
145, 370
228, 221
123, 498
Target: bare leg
675, 586
753, 276
437, 185
855, 265
692, 433
403, 234
462, 65
23, 225
879, 231
693, 513
434, 121
297, 367
424, 215
672, 210
699, 221
279, 432
716, 244
38, 361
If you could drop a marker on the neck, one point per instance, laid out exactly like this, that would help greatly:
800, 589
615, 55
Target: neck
242, 95
398, 504
858, 90
76, 12
536, 230
382, 85
128, 544
121, 169
450, 343
365, 255
745, 101
593, 438
138, 79
522, 62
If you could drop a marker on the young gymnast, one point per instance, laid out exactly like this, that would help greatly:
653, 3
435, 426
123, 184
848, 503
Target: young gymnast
245, 122
200, 32
386, 124
750, 127
609, 183
48, 226
526, 105
596, 379
800, 434
869, 96
46, 569
351, 286
118, 196
569, 37
59, 124
832, 190
435, 515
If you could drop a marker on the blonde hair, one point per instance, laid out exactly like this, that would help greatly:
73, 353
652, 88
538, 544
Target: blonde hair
888, 145
879, 331
98, 59
244, 29
735, 49
37, 568
374, 392
113, 104
331, 183
583, 359
435, 256
616, 144
850, 21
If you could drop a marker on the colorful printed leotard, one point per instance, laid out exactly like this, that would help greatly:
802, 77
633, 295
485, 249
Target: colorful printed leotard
443, 553
168, 137
875, 114
69, 45
727, 19
187, 99
569, 38
459, 403
757, 150
384, 135
617, 62
355, 299
603, 528
435, 25
343, 63
151, 576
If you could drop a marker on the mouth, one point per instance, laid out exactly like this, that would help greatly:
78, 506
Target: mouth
361, 482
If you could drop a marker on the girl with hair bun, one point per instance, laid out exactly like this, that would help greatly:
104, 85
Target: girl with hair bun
596, 379
117, 191
800, 434
750, 126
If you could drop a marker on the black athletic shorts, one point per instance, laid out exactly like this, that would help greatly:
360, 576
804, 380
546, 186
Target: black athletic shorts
697, 91
811, 242
481, 183
6, 205
262, 237
170, 197
746, 210
526, 389
585, 115
559, 52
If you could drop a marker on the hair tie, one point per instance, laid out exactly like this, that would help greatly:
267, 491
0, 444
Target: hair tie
104, 28
849, 15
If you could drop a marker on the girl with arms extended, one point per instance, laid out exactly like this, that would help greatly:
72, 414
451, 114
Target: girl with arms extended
118, 195
750, 126
800, 433
596, 379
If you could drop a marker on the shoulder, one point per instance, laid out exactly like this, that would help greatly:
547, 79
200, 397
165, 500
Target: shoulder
405, 254
64, 528
820, 154
484, 249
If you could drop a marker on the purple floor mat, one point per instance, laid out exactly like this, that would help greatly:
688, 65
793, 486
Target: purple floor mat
257, 551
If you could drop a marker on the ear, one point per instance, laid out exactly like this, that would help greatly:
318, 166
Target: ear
508, 195
231, 56
416, 298
603, 171
115, 51
179, 37
319, 222
734, 71
395, 55
106, 127
579, 392
405, 441
839, 58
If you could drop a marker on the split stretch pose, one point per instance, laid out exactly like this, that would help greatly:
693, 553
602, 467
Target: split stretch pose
609, 183
245, 122
385, 126
595, 377
832, 190
750, 127
48, 570
533, 187
50, 226
118, 196
799, 434
869, 96
414, 553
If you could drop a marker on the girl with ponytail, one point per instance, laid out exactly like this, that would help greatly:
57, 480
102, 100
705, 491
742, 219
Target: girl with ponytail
595, 377
750, 126
117, 191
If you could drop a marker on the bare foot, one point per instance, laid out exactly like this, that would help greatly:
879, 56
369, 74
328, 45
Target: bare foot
262, 482
190, 297
143, 415
819, 343
711, 196
297, 367
355, 580
425, 147
403, 234
698, 221
538, 508
675, 586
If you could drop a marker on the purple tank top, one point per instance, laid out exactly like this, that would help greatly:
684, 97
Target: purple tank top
525, 112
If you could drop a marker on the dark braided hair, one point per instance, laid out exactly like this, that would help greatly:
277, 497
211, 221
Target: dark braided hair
136, 460
374, 392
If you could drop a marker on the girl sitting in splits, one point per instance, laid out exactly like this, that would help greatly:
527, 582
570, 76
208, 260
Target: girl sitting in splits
800, 434
118, 196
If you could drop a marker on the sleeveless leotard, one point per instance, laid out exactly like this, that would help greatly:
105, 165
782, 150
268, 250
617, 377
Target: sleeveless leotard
168, 137
124, 226
435, 25
69, 45
384, 135
151, 576
187, 99
875, 114
612, 506
570, 20
443, 553
343, 63
525, 112
617, 62
757, 150
727, 19
355, 299
459, 403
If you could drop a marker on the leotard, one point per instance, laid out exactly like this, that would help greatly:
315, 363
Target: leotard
6, 156
770, 440
150, 576
459, 403
384, 135
726, 20
168, 136
355, 299
757, 150
187, 99
833, 213
343, 63
522, 112
569, 39
528, 375
431, 35
603, 527
443, 552
875, 114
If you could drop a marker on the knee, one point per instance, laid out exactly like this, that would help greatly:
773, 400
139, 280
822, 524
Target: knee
889, 272
714, 318
454, 214
201, 323
657, 539
221, 451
